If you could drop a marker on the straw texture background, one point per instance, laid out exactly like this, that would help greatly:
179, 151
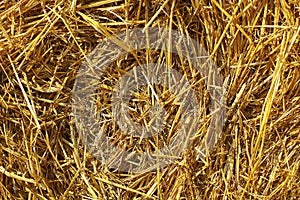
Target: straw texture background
255, 45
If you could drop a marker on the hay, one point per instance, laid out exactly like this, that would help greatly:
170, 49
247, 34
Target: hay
255, 45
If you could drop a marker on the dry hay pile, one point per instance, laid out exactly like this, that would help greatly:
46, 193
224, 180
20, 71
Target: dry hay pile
255, 45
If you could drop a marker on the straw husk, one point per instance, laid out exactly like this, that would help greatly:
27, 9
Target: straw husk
254, 44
